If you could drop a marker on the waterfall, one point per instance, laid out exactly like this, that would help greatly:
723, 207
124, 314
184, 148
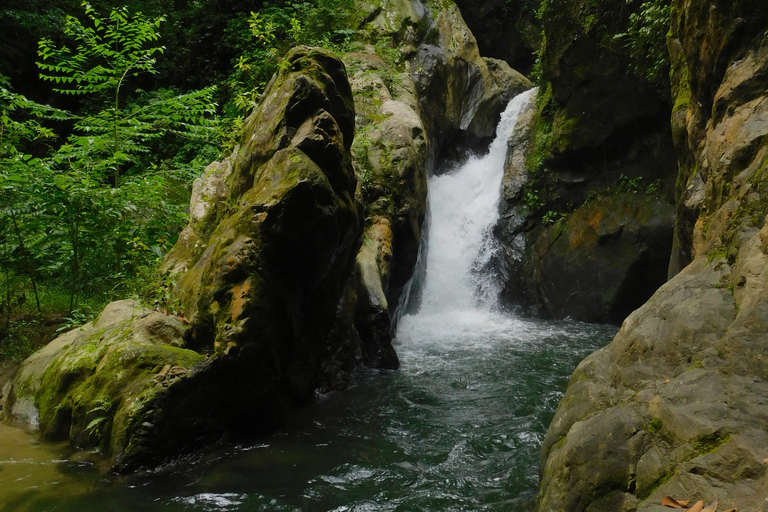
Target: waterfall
464, 207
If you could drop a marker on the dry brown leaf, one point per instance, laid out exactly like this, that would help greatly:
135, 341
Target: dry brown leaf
671, 502
712, 507
697, 507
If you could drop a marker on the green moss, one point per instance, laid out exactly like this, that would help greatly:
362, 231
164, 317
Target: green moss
661, 481
708, 443
683, 96
718, 252
654, 426
84, 387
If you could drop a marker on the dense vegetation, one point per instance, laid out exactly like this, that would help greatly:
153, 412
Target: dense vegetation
107, 114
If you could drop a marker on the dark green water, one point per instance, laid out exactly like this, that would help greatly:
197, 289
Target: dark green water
458, 427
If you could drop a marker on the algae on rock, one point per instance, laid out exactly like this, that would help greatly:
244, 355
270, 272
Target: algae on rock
99, 385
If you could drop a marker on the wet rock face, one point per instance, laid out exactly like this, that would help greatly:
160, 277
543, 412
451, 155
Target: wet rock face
687, 373
590, 175
597, 262
265, 281
461, 95
601, 262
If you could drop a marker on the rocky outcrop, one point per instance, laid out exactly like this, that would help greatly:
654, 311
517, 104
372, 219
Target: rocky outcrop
460, 95
676, 404
420, 86
259, 274
594, 182
612, 251
252, 272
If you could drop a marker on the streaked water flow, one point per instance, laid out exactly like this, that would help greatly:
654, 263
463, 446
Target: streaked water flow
464, 207
457, 428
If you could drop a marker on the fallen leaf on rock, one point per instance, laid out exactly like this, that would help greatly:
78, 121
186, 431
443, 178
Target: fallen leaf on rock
697, 507
712, 507
673, 503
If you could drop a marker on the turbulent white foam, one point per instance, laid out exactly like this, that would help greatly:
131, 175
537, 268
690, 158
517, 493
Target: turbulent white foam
459, 291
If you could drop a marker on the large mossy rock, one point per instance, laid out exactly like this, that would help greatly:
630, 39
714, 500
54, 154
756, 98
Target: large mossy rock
105, 384
598, 133
259, 274
677, 404
274, 229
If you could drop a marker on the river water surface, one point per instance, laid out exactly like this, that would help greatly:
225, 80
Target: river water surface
458, 428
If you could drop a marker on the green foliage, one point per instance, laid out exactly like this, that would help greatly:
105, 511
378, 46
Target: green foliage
102, 412
274, 29
76, 318
532, 198
118, 46
552, 217
69, 219
646, 39
626, 184
361, 147
100, 58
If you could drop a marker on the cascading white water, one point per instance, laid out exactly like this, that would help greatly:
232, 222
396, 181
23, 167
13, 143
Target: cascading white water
464, 207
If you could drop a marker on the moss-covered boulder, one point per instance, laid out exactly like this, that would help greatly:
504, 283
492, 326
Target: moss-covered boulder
275, 227
676, 404
100, 385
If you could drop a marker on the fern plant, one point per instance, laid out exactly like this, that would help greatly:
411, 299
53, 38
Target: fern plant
102, 409
103, 54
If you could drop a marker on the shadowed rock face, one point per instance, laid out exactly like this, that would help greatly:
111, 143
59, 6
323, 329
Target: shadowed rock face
505, 30
588, 215
676, 405
259, 272
261, 288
